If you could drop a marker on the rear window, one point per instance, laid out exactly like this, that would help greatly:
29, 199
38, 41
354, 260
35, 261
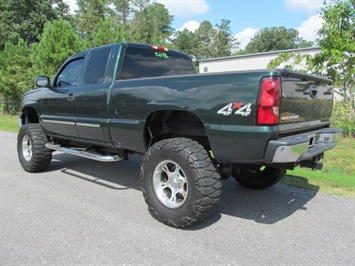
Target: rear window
146, 62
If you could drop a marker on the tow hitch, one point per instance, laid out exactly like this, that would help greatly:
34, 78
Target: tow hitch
314, 164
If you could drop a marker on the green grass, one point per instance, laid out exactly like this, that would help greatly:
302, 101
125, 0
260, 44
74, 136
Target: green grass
8, 123
342, 185
336, 178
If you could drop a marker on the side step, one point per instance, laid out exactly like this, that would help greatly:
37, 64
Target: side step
86, 154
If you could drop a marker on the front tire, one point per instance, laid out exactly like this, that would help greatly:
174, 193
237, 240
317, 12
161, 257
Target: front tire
32, 152
180, 184
257, 177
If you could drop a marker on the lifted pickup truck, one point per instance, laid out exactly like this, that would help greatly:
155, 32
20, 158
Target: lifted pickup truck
195, 129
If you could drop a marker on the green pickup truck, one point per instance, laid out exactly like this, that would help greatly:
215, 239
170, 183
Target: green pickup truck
194, 129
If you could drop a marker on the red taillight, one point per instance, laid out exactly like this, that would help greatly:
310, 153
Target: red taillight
269, 101
159, 48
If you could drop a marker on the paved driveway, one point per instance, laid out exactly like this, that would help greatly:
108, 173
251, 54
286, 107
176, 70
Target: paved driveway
85, 212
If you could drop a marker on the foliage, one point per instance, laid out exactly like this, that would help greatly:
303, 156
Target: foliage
151, 23
15, 78
186, 41
25, 19
341, 118
337, 57
293, 61
89, 14
274, 39
58, 41
121, 12
106, 32
224, 40
204, 39
207, 41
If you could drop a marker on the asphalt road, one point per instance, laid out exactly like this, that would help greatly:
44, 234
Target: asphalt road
85, 212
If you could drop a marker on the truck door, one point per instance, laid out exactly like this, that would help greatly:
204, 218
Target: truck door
58, 105
91, 106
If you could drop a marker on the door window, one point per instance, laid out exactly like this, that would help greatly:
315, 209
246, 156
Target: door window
70, 75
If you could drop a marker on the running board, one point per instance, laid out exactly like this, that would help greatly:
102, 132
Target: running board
85, 154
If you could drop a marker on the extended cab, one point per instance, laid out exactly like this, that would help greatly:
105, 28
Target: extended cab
194, 129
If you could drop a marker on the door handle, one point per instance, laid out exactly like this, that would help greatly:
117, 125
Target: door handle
71, 97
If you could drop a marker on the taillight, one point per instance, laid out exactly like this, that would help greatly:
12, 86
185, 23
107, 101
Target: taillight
269, 101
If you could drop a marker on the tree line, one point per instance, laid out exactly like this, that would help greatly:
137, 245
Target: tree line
36, 36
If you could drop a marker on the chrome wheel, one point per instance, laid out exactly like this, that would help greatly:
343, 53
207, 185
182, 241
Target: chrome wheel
27, 148
31, 148
170, 184
180, 183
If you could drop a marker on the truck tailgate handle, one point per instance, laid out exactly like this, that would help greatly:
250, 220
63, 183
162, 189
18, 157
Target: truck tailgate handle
71, 97
313, 92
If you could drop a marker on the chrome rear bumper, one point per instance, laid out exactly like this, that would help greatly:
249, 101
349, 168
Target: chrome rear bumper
301, 147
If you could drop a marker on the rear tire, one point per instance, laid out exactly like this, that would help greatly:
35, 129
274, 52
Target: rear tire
180, 184
257, 177
32, 152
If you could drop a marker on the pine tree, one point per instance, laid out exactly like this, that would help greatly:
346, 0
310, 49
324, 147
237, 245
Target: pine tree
58, 41
15, 77
25, 19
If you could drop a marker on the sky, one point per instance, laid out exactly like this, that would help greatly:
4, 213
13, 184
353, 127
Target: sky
247, 16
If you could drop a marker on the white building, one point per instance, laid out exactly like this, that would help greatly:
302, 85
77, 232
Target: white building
247, 62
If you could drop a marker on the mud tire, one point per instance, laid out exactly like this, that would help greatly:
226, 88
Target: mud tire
256, 177
32, 152
200, 188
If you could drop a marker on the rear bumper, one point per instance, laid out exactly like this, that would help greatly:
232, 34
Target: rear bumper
301, 147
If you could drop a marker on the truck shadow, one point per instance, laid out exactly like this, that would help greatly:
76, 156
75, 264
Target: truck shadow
114, 175
267, 206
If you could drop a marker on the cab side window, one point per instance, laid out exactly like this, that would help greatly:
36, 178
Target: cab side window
96, 68
70, 75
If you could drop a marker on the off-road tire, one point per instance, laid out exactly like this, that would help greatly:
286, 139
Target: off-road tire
32, 152
255, 177
201, 190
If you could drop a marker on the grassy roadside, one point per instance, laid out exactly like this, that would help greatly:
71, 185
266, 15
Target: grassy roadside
8, 123
336, 178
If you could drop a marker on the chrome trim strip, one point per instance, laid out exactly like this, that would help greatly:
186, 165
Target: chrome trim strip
301, 125
88, 125
58, 122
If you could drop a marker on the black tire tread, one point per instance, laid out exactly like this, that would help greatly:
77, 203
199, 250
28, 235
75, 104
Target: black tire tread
42, 156
264, 179
207, 183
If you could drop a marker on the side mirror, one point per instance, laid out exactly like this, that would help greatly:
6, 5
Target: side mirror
43, 82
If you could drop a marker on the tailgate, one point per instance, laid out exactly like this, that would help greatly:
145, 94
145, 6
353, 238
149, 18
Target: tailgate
306, 101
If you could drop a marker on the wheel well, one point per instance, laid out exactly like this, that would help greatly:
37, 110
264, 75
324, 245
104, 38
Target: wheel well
29, 115
171, 124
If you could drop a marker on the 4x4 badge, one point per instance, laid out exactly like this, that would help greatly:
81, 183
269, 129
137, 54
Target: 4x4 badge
238, 106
